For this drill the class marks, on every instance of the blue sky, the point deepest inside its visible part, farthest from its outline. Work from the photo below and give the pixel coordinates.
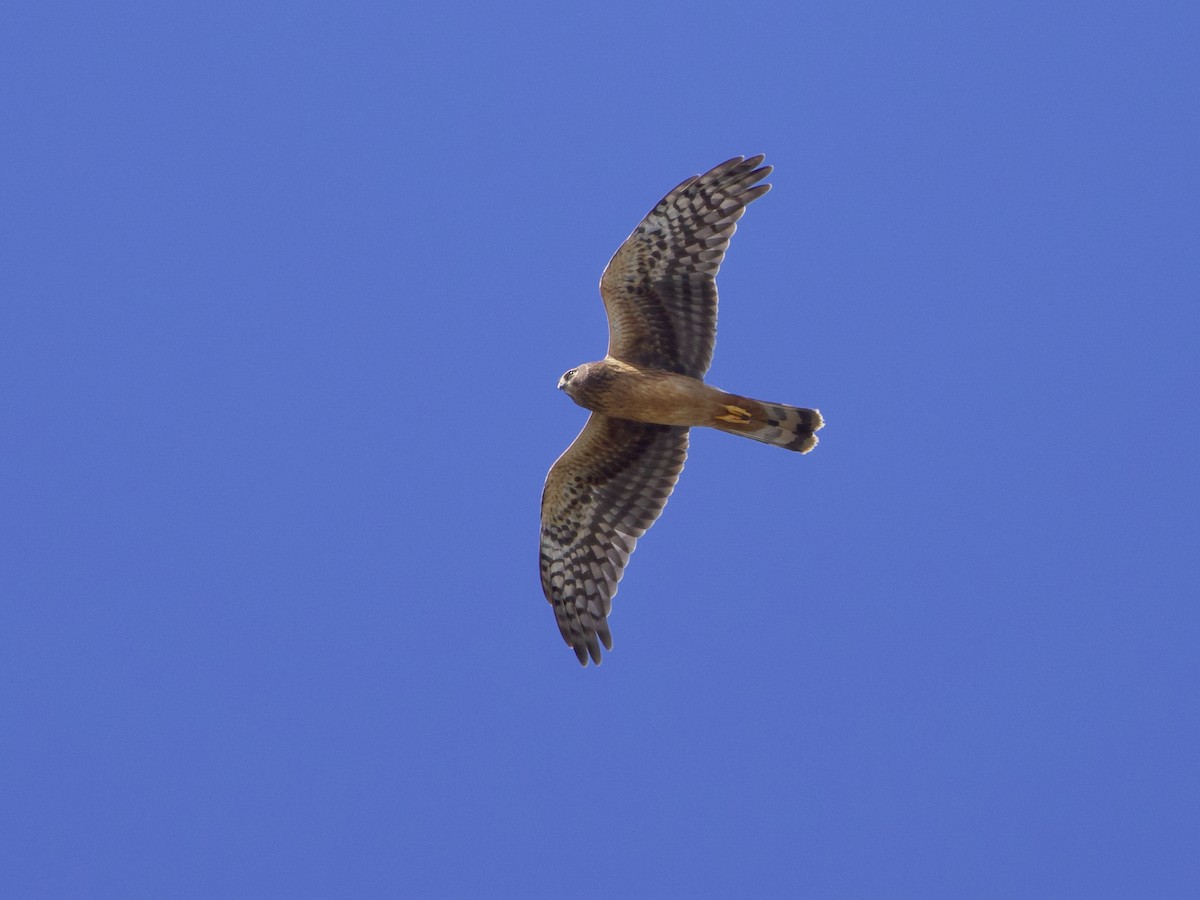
(287, 291)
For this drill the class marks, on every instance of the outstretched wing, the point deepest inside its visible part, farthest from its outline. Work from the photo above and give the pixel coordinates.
(600, 497)
(660, 288)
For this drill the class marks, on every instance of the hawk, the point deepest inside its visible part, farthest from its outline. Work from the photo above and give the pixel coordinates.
(610, 485)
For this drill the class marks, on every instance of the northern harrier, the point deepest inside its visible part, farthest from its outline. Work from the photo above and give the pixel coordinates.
(610, 485)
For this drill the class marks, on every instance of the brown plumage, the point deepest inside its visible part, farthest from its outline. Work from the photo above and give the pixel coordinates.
(610, 485)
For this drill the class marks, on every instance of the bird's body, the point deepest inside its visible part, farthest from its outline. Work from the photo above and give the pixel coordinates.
(645, 394)
(641, 393)
(612, 482)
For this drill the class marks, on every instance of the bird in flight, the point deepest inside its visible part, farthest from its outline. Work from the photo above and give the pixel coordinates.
(610, 485)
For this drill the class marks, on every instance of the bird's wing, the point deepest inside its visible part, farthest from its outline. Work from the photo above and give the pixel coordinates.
(660, 288)
(600, 497)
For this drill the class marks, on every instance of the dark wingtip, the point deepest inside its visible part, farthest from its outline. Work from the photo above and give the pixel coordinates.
(589, 647)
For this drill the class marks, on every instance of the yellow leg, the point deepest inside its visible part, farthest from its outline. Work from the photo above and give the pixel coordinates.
(735, 415)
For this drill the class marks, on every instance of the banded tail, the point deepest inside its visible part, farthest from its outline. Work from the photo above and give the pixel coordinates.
(790, 427)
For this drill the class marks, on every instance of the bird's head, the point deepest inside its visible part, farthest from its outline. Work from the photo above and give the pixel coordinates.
(581, 383)
(571, 379)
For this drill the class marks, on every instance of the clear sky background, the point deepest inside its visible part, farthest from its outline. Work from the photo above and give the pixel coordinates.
(286, 292)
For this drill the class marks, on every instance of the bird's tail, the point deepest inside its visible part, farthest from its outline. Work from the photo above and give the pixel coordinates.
(790, 427)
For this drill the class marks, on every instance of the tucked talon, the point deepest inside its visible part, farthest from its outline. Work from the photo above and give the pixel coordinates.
(736, 415)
